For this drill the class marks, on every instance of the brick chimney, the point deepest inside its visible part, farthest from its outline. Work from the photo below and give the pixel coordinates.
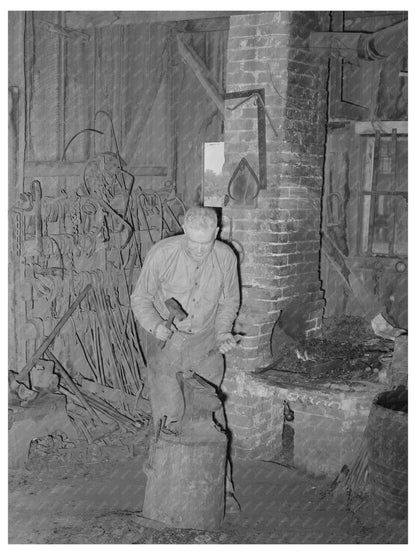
(281, 235)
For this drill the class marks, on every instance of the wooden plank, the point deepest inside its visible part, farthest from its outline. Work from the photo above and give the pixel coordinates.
(65, 32)
(107, 57)
(66, 169)
(202, 73)
(373, 206)
(140, 120)
(83, 20)
(43, 91)
(203, 25)
(392, 218)
(62, 71)
(383, 127)
(78, 110)
(170, 114)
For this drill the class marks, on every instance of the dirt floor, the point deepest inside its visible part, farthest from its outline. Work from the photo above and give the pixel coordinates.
(96, 498)
(79, 493)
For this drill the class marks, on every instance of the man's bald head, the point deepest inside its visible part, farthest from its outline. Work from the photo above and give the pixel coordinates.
(201, 218)
(201, 227)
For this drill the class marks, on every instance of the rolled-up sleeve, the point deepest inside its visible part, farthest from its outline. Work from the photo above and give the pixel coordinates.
(142, 298)
(230, 297)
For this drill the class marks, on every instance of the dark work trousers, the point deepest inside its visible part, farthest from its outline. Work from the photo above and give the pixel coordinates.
(182, 352)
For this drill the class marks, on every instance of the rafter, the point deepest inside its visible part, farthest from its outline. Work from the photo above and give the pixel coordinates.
(83, 20)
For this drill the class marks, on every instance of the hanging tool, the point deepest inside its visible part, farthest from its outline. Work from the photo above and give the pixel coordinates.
(240, 185)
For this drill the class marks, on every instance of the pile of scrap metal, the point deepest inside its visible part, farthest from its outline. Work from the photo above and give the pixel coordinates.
(86, 243)
(114, 399)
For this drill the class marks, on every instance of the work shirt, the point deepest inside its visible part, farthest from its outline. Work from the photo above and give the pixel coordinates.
(207, 290)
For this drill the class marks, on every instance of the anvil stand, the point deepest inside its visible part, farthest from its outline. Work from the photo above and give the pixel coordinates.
(186, 471)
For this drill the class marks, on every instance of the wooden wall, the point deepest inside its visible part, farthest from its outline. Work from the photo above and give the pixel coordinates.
(365, 96)
(83, 104)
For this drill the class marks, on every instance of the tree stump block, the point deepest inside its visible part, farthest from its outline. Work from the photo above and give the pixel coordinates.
(186, 478)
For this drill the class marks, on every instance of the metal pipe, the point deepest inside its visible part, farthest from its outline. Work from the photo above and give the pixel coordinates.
(383, 43)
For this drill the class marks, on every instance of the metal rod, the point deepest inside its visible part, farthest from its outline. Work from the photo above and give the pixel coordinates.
(258, 97)
(39, 352)
(68, 379)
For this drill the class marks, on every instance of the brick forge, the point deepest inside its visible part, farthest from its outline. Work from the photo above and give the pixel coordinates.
(281, 235)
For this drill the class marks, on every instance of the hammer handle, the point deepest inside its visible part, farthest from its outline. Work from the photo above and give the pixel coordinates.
(168, 325)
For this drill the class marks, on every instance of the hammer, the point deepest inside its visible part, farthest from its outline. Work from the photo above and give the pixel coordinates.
(175, 311)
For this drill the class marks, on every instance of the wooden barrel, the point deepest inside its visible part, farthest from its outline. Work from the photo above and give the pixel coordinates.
(387, 450)
(186, 480)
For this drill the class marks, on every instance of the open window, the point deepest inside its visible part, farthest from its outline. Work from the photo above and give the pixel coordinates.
(384, 194)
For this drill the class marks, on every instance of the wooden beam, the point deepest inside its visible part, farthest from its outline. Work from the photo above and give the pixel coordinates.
(384, 127)
(65, 32)
(67, 169)
(83, 20)
(327, 43)
(203, 25)
(202, 73)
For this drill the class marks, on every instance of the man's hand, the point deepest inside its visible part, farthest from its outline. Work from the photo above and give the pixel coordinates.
(226, 342)
(162, 332)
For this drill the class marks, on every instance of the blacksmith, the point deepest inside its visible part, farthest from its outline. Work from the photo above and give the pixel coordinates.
(200, 273)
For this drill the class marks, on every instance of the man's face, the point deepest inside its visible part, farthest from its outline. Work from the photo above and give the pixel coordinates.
(199, 242)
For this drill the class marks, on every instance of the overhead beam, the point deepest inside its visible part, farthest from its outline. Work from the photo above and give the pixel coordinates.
(203, 25)
(384, 127)
(82, 20)
(202, 73)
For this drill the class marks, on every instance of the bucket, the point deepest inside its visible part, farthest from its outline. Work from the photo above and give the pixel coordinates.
(387, 450)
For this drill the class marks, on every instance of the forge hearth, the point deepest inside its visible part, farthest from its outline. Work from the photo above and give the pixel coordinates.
(329, 384)
(338, 364)
(330, 396)
(329, 420)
